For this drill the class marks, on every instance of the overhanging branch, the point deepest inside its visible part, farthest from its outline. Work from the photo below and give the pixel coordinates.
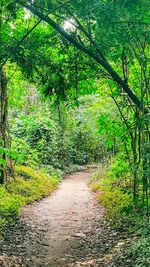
(103, 62)
(25, 36)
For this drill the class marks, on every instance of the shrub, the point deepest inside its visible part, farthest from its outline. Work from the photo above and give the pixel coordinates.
(137, 255)
(30, 185)
(140, 252)
(22, 153)
(9, 206)
(117, 201)
(119, 169)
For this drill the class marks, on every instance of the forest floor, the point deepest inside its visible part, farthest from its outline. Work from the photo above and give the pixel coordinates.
(67, 228)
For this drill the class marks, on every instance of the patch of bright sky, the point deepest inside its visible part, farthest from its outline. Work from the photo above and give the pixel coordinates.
(69, 25)
(27, 13)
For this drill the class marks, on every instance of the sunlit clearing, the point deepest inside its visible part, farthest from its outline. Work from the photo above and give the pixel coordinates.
(69, 25)
(27, 13)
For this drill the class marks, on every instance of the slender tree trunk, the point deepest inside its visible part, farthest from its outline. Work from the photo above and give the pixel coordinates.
(60, 119)
(135, 150)
(146, 169)
(135, 173)
(76, 75)
(133, 138)
(3, 123)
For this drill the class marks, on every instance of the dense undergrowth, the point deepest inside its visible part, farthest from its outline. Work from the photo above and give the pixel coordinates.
(114, 192)
(40, 140)
(28, 186)
(42, 151)
(116, 199)
(137, 255)
(74, 100)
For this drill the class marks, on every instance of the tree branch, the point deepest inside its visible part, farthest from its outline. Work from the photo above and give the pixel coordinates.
(103, 62)
(25, 36)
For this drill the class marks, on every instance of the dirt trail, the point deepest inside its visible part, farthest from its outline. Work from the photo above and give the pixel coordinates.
(65, 229)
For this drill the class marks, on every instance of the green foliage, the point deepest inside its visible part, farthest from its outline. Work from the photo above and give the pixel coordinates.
(113, 31)
(117, 201)
(29, 185)
(22, 153)
(35, 140)
(118, 204)
(2, 151)
(9, 206)
(112, 130)
(140, 252)
(119, 169)
(33, 184)
(39, 139)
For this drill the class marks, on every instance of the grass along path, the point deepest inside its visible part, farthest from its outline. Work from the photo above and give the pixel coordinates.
(65, 229)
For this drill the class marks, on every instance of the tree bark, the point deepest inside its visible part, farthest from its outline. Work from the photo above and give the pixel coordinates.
(3, 123)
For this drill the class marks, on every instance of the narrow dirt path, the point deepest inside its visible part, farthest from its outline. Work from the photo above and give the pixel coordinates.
(65, 229)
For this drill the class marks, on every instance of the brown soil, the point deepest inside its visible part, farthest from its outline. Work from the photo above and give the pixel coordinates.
(65, 229)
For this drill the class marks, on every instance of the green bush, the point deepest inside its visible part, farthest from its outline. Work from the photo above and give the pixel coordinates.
(138, 254)
(39, 137)
(119, 169)
(29, 185)
(9, 205)
(32, 184)
(117, 201)
(50, 170)
(39, 141)
(22, 153)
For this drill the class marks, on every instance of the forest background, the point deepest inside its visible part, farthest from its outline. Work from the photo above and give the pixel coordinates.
(75, 91)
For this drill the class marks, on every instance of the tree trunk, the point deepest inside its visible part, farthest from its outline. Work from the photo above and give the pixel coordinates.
(3, 123)
(135, 173)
